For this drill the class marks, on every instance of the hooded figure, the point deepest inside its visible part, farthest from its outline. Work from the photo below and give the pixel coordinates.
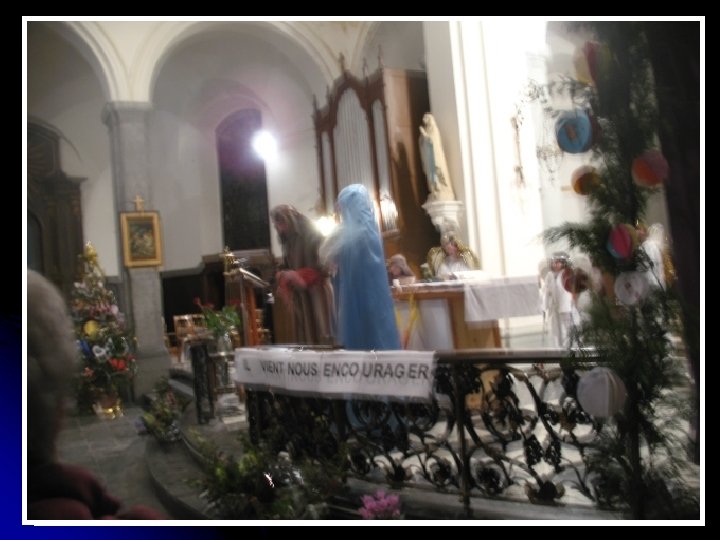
(303, 283)
(366, 315)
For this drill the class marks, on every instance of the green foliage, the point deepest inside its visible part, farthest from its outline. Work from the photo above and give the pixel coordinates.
(262, 484)
(220, 322)
(638, 461)
(162, 418)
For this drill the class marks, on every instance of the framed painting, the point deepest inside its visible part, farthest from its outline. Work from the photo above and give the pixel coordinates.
(142, 242)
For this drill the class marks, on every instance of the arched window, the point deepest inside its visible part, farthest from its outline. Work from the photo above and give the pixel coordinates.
(243, 184)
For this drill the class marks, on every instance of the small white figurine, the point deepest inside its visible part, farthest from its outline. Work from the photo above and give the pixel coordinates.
(557, 301)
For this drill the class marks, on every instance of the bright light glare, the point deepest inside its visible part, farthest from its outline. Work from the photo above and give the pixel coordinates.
(264, 144)
(325, 224)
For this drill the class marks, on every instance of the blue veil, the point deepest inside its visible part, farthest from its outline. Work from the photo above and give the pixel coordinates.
(366, 315)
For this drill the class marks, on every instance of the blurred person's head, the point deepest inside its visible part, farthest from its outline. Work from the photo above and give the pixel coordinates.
(398, 266)
(51, 364)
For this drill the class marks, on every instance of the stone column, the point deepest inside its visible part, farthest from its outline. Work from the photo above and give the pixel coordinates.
(127, 124)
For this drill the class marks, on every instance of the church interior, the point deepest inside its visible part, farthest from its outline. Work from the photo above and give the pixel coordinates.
(158, 152)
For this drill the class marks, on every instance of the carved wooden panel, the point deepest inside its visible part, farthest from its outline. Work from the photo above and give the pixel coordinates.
(54, 211)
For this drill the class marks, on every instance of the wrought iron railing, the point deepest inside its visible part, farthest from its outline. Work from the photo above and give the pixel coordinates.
(502, 424)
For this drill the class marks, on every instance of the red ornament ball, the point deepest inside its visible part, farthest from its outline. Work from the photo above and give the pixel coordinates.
(650, 169)
(622, 241)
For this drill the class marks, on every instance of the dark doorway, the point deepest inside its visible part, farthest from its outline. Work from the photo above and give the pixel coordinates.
(243, 185)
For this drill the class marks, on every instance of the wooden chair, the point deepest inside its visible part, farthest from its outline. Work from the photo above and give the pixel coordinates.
(186, 327)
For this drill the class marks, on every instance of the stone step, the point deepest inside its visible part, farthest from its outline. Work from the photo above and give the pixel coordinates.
(172, 471)
(182, 388)
(173, 467)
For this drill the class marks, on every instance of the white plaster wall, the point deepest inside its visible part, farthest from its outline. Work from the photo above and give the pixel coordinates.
(64, 93)
(508, 63)
(201, 84)
(476, 72)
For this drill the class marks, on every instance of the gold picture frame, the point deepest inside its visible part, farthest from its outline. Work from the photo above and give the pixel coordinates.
(142, 241)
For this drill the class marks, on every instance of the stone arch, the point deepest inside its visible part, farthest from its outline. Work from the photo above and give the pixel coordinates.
(91, 42)
(398, 39)
(360, 56)
(285, 36)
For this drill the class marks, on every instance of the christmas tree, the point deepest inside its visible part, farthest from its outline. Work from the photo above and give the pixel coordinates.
(105, 345)
(631, 319)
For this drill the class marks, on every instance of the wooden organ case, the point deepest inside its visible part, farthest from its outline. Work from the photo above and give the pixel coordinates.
(367, 133)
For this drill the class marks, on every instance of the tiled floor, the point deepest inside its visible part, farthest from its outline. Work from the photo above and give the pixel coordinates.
(113, 451)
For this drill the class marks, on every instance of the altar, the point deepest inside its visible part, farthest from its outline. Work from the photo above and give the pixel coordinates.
(462, 314)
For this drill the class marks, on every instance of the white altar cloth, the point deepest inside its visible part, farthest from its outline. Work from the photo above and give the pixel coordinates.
(501, 298)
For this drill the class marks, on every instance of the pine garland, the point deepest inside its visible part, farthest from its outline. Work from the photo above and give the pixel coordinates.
(637, 461)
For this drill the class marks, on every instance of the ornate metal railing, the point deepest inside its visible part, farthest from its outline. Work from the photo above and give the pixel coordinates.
(502, 424)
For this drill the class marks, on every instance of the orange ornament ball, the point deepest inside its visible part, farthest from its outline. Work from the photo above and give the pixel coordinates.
(585, 179)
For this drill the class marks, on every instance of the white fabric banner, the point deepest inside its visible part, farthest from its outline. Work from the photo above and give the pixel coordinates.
(395, 374)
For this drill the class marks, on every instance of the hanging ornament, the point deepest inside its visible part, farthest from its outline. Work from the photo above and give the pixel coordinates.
(601, 392)
(631, 287)
(101, 353)
(573, 131)
(91, 328)
(622, 241)
(585, 179)
(84, 348)
(650, 169)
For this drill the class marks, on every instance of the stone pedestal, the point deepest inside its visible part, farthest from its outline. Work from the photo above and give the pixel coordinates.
(445, 215)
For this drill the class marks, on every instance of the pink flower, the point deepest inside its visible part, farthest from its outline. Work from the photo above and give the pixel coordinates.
(380, 506)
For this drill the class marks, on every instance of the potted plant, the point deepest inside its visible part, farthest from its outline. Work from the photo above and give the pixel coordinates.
(223, 324)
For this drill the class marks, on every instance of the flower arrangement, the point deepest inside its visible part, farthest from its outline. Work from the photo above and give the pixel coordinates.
(263, 484)
(105, 346)
(223, 321)
(162, 419)
(380, 506)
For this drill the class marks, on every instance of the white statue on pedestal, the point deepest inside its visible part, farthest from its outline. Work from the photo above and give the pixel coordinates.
(433, 161)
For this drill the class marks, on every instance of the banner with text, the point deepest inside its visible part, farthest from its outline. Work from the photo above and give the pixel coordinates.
(394, 374)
